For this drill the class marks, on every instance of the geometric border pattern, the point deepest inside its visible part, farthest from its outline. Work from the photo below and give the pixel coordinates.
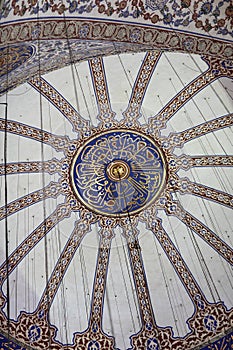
(148, 36)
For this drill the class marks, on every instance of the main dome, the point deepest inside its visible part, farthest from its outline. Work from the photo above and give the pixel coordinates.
(129, 245)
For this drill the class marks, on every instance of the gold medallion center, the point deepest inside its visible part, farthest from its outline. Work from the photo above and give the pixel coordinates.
(118, 170)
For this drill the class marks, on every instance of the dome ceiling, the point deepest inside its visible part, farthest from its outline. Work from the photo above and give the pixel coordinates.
(116, 175)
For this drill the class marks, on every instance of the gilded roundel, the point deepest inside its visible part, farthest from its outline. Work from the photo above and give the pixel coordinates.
(118, 172)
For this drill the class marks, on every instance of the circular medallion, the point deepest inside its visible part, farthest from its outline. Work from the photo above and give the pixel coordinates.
(118, 172)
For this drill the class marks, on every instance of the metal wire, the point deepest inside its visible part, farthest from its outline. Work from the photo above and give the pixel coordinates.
(43, 179)
(6, 214)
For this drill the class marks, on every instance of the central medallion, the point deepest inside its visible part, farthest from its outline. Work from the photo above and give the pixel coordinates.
(118, 172)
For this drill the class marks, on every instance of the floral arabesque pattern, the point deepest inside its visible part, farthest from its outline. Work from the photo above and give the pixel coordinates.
(209, 16)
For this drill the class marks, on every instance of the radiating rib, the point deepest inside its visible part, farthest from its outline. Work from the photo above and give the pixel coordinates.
(202, 230)
(62, 211)
(178, 139)
(52, 166)
(105, 115)
(60, 143)
(139, 277)
(130, 232)
(186, 186)
(99, 286)
(79, 124)
(53, 190)
(81, 228)
(182, 270)
(216, 69)
(187, 162)
(160, 120)
(133, 111)
(106, 236)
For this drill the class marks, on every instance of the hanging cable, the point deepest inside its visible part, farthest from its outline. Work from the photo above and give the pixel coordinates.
(59, 249)
(28, 258)
(34, 270)
(73, 71)
(92, 99)
(203, 265)
(213, 112)
(169, 219)
(5, 159)
(85, 282)
(110, 311)
(77, 297)
(125, 256)
(136, 241)
(17, 236)
(6, 211)
(43, 179)
(130, 83)
(124, 280)
(163, 270)
(63, 298)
